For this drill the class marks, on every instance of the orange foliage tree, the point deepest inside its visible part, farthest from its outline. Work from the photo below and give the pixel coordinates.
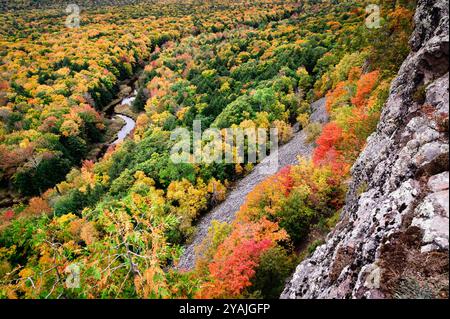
(364, 87)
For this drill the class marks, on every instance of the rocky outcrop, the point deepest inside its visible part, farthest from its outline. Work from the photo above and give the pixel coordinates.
(392, 240)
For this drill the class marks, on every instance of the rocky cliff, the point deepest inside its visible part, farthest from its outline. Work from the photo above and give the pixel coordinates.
(392, 240)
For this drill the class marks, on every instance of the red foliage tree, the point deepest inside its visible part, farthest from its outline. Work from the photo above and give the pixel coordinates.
(327, 151)
(235, 262)
(232, 275)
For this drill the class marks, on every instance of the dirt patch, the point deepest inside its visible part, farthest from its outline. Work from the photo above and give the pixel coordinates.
(114, 126)
(402, 262)
(344, 257)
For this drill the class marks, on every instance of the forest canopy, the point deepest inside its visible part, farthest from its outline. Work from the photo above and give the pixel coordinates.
(124, 217)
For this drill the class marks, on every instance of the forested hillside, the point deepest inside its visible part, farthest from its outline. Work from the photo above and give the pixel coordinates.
(123, 219)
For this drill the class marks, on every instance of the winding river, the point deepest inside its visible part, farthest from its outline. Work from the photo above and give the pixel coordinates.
(130, 124)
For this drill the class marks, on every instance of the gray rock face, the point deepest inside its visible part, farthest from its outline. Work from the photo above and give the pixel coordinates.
(397, 230)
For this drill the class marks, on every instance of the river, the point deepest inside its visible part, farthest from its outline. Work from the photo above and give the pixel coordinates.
(130, 124)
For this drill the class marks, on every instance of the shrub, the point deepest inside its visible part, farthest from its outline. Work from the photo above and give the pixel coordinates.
(121, 184)
(275, 266)
(74, 201)
(296, 217)
(217, 233)
(303, 120)
(313, 131)
(411, 289)
(284, 131)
